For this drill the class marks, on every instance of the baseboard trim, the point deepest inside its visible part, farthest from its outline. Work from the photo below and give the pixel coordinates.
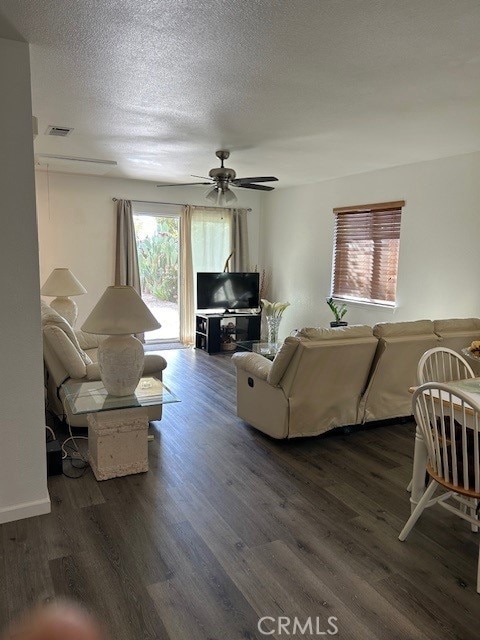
(24, 510)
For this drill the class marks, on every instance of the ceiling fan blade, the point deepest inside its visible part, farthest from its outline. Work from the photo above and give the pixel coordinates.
(239, 181)
(202, 177)
(260, 187)
(182, 184)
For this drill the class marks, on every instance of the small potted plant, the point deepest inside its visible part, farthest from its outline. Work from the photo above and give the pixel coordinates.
(227, 338)
(338, 311)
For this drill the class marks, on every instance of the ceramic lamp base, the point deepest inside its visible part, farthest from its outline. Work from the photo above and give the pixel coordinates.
(66, 307)
(121, 361)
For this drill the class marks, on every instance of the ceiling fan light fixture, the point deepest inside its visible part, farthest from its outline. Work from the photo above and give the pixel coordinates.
(229, 196)
(212, 195)
(221, 178)
(221, 196)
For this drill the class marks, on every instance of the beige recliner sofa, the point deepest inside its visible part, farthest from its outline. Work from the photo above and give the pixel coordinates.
(70, 354)
(314, 384)
(326, 378)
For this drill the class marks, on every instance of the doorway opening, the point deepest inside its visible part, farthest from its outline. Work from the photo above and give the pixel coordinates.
(158, 238)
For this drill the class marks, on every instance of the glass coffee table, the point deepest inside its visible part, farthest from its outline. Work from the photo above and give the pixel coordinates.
(267, 349)
(117, 426)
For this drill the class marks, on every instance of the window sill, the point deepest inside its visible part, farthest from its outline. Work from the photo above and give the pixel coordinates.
(364, 303)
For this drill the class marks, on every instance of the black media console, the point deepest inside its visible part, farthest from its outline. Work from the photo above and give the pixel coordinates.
(220, 331)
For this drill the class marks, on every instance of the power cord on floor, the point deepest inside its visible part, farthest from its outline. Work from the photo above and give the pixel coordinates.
(73, 455)
(70, 454)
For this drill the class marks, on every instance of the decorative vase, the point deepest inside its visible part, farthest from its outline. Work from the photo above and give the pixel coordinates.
(273, 324)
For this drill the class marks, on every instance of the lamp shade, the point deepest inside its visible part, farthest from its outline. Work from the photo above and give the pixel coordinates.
(62, 282)
(120, 311)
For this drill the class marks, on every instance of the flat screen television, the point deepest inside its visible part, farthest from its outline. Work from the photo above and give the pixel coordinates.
(228, 290)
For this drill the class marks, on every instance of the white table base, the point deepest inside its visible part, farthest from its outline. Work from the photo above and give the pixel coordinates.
(118, 442)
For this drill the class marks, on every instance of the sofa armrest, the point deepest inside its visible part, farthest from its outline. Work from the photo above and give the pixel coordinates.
(253, 363)
(153, 366)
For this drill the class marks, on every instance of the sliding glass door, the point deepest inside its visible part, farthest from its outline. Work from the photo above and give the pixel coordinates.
(158, 257)
(162, 249)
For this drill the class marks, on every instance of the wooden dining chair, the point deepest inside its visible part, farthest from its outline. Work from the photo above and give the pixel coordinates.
(441, 364)
(449, 421)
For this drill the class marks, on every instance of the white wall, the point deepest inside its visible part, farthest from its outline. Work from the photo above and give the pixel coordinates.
(23, 484)
(439, 246)
(76, 220)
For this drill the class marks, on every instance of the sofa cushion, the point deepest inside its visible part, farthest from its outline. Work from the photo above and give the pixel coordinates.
(282, 360)
(456, 324)
(399, 329)
(51, 318)
(336, 333)
(88, 340)
(65, 351)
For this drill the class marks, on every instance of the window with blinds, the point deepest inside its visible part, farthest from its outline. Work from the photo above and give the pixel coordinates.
(365, 258)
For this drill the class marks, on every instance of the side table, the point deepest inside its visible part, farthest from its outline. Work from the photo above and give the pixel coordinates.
(266, 349)
(117, 426)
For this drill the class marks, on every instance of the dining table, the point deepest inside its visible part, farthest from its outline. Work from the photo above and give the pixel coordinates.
(471, 388)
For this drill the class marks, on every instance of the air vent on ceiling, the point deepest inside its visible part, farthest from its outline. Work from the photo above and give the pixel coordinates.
(54, 130)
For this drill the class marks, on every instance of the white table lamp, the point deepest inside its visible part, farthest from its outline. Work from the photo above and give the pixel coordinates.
(62, 284)
(119, 313)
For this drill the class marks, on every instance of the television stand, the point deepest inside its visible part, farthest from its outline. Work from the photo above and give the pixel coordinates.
(241, 312)
(219, 332)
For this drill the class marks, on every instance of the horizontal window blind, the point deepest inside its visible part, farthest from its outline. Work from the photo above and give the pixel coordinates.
(367, 241)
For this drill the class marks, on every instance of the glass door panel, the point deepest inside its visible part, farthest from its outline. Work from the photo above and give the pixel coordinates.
(158, 257)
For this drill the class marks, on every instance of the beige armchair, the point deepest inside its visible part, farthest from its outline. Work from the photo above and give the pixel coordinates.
(314, 384)
(70, 354)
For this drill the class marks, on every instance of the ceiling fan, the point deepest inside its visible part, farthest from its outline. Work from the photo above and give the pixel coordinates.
(222, 178)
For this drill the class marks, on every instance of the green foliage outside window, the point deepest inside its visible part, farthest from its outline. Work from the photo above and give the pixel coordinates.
(158, 260)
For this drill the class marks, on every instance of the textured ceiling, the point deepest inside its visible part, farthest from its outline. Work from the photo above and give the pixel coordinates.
(302, 89)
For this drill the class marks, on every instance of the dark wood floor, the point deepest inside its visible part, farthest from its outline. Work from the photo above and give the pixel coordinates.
(229, 526)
